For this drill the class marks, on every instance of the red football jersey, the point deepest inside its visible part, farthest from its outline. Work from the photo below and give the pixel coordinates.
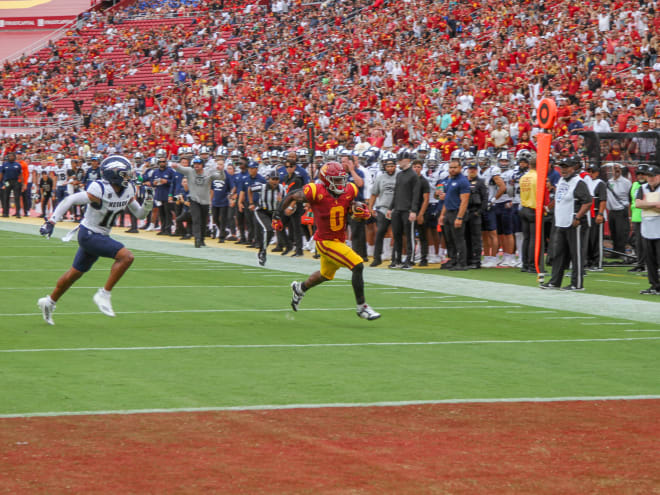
(330, 211)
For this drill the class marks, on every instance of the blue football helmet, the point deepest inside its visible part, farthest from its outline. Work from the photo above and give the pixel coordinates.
(117, 170)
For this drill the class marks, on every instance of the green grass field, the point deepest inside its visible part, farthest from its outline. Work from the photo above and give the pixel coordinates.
(198, 333)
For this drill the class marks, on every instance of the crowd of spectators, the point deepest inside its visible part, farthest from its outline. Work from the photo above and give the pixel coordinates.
(392, 73)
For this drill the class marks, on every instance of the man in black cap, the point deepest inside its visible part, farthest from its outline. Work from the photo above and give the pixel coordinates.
(477, 204)
(636, 220)
(648, 200)
(270, 196)
(572, 203)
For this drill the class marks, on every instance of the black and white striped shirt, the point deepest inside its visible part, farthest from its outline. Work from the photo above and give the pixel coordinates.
(269, 198)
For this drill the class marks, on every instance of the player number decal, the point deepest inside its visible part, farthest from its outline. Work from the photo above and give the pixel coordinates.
(109, 219)
(337, 218)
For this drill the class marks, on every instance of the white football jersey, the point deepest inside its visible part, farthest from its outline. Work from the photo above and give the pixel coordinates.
(488, 176)
(101, 218)
(61, 175)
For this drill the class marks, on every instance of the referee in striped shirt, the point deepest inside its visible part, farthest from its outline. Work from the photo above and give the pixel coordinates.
(270, 196)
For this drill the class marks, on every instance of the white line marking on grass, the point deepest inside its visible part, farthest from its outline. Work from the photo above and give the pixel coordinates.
(605, 323)
(406, 292)
(615, 281)
(570, 317)
(431, 297)
(279, 407)
(349, 344)
(253, 310)
(636, 330)
(530, 312)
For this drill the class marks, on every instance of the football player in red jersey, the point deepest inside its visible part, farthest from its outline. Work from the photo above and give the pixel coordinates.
(331, 202)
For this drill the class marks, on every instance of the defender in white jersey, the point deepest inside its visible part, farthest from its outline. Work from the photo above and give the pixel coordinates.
(106, 198)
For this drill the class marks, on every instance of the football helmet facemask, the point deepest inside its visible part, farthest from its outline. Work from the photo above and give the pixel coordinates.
(333, 177)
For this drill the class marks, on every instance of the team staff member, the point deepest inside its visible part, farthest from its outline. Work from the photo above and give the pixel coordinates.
(403, 210)
(248, 198)
(476, 206)
(382, 193)
(293, 182)
(528, 219)
(648, 200)
(618, 204)
(457, 197)
(636, 219)
(220, 205)
(11, 179)
(269, 198)
(572, 203)
(358, 228)
(162, 178)
(422, 206)
(199, 186)
(598, 190)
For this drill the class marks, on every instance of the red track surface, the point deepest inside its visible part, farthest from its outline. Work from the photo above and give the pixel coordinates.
(608, 447)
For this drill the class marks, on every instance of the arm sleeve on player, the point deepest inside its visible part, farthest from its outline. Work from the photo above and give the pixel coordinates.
(79, 198)
(141, 211)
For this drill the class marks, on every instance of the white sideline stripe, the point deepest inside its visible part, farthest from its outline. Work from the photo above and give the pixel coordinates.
(636, 330)
(350, 344)
(252, 310)
(635, 310)
(279, 407)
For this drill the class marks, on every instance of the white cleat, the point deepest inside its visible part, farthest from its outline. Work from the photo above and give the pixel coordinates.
(298, 294)
(366, 312)
(47, 309)
(103, 302)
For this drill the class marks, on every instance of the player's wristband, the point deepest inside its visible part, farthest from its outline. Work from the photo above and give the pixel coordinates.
(459, 218)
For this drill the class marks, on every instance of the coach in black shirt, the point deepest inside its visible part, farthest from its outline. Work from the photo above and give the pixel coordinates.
(403, 210)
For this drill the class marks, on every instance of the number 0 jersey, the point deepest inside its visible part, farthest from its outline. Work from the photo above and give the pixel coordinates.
(330, 212)
(100, 218)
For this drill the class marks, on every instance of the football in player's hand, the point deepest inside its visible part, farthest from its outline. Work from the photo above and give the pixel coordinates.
(360, 211)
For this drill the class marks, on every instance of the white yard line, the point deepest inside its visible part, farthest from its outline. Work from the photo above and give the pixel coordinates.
(329, 345)
(277, 407)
